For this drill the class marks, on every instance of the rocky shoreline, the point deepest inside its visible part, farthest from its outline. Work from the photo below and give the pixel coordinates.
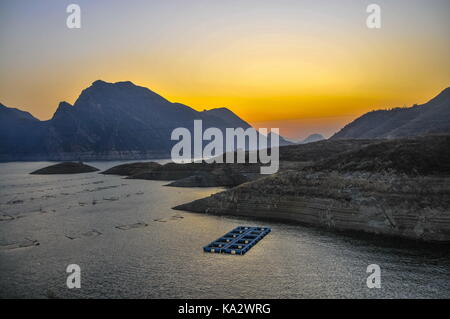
(394, 205)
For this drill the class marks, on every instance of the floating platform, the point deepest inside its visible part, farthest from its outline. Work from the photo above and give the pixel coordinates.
(238, 241)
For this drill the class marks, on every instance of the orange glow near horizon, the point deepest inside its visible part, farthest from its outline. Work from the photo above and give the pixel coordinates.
(299, 66)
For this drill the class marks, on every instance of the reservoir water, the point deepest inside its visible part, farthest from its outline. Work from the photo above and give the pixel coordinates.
(129, 243)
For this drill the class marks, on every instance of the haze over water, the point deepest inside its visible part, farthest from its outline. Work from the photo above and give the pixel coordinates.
(75, 217)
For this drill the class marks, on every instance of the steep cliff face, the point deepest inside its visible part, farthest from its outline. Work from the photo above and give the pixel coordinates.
(409, 207)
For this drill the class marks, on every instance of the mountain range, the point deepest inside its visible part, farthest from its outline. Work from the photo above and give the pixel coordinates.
(114, 121)
(108, 121)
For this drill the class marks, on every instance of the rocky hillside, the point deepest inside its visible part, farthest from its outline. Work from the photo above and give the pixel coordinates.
(429, 155)
(320, 150)
(430, 118)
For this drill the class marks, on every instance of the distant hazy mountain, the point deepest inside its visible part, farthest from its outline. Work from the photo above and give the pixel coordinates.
(281, 140)
(430, 118)
(108, 121)
(312, 138)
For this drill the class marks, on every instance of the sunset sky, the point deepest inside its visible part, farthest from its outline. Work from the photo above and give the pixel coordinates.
(303, 66)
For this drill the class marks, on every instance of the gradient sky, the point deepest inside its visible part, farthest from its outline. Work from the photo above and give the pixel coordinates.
(304, 66)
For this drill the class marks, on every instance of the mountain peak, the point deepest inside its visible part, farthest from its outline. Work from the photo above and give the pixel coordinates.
(218, 109)
(125, 93)
(120, 83)
(64, 104)
(121, 86)
(228, 116)
(99, 82)
(62, 108)
(125, 83)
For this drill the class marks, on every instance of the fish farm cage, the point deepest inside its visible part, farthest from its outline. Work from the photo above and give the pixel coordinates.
(238, 241)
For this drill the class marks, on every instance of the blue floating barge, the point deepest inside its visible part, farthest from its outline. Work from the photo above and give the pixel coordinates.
(238, 241)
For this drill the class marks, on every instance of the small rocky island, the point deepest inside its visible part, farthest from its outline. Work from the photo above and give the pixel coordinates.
(132, 169)
(65, 168)
(218, 177)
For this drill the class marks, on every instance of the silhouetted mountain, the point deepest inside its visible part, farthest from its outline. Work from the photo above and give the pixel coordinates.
(231, 119)
(313, 138)
(19, 131)
(107, 121)
(430, 118)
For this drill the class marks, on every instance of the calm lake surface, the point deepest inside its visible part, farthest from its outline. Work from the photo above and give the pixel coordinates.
(74, 218)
